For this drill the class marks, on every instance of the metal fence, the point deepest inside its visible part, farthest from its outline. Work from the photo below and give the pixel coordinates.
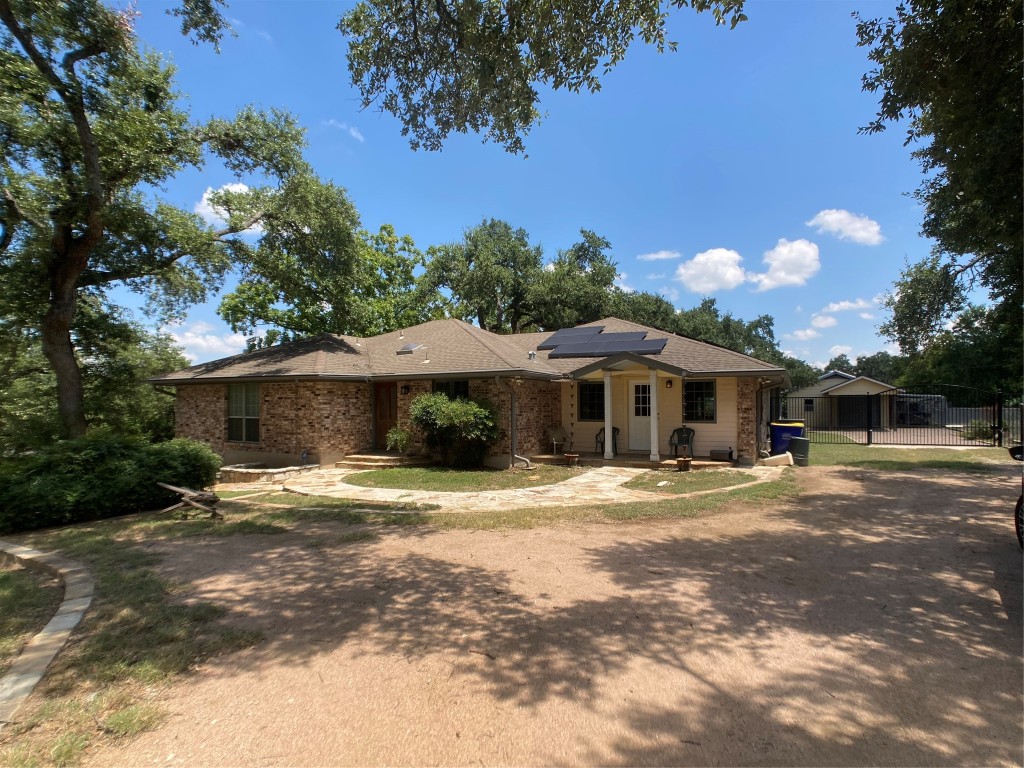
(942, 415)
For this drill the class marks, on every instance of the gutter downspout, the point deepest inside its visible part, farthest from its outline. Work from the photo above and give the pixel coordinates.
(513, 427)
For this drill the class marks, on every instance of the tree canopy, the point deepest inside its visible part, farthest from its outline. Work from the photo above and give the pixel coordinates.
(90, 128)
(496, 278)
(951, 73)
(471, 65)
(118, 356)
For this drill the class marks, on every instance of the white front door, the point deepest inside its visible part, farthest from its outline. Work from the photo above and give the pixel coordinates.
(640, 416)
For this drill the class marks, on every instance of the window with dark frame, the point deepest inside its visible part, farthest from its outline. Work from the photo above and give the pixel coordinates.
(244, 413)
(455, 389)
(809, 405)
(699, 401)
(591, 398)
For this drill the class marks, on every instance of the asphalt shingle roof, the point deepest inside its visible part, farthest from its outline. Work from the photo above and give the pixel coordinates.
(448, 348)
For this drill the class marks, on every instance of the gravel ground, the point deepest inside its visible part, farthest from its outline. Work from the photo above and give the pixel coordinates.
(875, 620)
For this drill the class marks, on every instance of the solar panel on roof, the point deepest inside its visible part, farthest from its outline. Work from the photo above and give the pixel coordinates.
(564, 335)
(408, 349)
(604, 348)
(625, 336)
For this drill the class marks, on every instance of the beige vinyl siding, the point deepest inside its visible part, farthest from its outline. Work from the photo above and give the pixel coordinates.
(722, 433)
(861, 387)
(670, 412)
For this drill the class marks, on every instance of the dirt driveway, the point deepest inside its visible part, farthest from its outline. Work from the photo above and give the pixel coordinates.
(875, 620)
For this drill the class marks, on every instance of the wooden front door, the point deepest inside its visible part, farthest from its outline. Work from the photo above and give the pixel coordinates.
(385, 412)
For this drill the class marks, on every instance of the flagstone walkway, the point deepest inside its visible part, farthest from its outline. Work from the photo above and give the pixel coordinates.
(598, 486)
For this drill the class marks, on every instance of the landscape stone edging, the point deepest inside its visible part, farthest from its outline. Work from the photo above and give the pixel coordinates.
(35, 657)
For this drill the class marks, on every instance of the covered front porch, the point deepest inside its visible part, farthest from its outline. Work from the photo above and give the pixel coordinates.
(624, 408)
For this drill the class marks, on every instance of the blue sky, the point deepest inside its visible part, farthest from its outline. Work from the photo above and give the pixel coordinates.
(731, 168)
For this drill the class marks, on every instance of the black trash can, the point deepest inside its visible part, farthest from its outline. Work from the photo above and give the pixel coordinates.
(800, 447)
(782, 431)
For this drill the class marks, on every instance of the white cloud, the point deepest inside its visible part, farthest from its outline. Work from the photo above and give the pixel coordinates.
(820, 364)
(200, 342)
(790, 262)
(713, 270)
(848, 226)
(839, 349)
(659, 256)
(213, 214)
(655, 276)
(620, 281)
(238, 24)
(843, 306)
(351, 130)
(803, 335)
(865, 315)
(669, 293)
(823, 321)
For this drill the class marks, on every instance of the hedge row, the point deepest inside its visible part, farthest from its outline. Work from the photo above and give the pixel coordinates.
(98, 476)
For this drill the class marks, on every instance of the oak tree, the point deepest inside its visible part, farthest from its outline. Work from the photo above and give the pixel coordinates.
(950, 72)
(91, 128)
(480, 65)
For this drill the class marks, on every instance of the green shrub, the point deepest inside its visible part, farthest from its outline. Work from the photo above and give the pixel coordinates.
(459, 430)
(98, 476)
(978, 430)
(398, 439)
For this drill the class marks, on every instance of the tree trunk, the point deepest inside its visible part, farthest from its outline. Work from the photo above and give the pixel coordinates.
(60, 352)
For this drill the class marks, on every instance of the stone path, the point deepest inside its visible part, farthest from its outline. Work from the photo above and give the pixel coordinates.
(30, 665)
(597, 486)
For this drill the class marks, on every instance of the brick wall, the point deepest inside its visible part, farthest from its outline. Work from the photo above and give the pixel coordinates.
(746, 420)
(417, 446)
(328, 419)
(336, 417)
(538, 407)
(498, 396)
(200, 412)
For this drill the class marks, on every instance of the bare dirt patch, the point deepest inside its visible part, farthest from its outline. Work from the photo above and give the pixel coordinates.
(874, 620)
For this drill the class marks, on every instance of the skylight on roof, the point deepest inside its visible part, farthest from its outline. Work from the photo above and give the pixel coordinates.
(408, 349)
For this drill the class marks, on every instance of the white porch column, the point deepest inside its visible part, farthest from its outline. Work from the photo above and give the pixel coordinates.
(609, 436)
(655, 456)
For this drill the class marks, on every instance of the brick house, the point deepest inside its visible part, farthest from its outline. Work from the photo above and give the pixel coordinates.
(330, 396)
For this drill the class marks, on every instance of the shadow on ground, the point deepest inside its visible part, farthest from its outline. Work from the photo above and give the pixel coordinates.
(903, 592)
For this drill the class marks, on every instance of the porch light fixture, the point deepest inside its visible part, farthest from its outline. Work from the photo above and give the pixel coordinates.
(668, 383)
(404, 389)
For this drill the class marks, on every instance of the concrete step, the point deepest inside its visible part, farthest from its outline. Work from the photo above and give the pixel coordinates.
(380, 461)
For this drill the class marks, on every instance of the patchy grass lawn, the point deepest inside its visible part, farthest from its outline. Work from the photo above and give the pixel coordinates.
(671, 507)
(28, 600)
(445, 479)
(686, 482)
(139, 634)
(909, 459)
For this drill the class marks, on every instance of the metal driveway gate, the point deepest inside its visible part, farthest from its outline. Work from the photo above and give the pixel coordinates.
(942, 414)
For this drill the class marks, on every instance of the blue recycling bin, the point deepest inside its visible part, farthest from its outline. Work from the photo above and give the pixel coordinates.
(782, 431)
